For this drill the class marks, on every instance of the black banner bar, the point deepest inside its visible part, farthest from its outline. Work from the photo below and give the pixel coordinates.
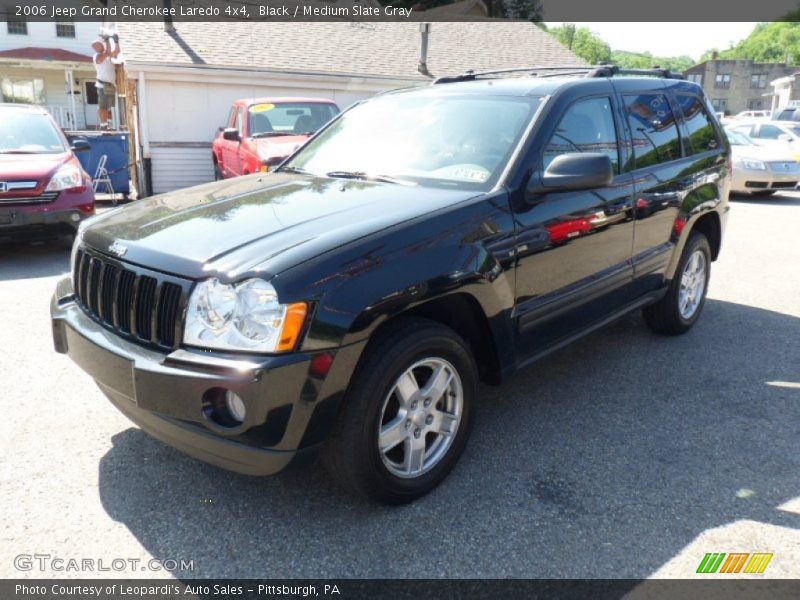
(396, 589)
(397, 10)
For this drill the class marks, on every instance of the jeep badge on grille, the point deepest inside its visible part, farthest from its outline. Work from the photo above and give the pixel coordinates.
(118, 249)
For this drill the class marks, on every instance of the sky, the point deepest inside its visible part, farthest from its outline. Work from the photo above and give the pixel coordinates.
(694, 38)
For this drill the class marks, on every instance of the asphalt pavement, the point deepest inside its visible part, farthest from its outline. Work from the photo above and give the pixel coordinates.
(624, 455)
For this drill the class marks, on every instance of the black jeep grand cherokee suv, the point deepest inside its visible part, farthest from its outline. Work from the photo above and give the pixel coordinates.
(426, 238)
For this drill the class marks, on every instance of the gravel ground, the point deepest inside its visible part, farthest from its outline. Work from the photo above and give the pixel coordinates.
(624, 455)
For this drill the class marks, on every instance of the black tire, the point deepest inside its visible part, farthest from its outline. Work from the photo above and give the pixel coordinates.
(217, 172)
(352, 454)
(763, 193)
(665, 315)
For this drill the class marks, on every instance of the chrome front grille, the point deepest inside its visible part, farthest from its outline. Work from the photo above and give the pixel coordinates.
(41, 199)
(140, 304)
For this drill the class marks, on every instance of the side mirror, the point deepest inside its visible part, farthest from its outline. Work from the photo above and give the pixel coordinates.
(574, 171)
(785, 137)
(231, 134)
(80, 145)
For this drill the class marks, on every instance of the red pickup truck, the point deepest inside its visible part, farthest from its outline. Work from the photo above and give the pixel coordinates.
(262, 132)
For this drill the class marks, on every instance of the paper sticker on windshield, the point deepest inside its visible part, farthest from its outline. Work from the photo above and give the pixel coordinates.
(471, 174)
(258, 108)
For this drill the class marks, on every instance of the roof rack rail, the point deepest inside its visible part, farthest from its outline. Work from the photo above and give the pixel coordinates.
(472, 75)
(554, 70)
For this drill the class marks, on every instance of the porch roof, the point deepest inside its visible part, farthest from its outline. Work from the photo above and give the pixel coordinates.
(44, 54)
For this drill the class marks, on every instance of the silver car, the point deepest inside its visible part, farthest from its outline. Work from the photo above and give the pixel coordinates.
(761, 170)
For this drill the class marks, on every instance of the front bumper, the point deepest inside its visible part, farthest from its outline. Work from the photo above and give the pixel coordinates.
(23, 222)
(746, 180)
(289, 405)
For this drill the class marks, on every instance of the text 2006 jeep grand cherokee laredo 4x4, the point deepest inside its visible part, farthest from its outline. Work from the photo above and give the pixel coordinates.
(348, 302)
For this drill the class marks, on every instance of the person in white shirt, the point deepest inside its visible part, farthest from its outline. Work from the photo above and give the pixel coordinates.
(103, 59)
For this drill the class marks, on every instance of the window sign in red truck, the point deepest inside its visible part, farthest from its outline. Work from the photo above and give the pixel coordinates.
(261, 132)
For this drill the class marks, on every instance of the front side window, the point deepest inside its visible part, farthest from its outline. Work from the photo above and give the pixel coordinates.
(239, 120)
(22, 132)
(425, 138)
(769, 132)
(587, 126)
(291, 118)
(653, 130)
(702, 135)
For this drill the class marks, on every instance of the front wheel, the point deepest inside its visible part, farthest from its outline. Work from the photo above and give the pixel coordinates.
(680, 308)
(407, 415)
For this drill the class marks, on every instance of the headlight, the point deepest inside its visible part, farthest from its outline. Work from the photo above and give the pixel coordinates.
(66, 178)
(754, 165)
(245, 316)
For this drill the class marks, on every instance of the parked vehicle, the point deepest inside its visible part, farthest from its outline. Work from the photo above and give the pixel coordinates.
(761, 170)
(787, 113)
(349, 302)
(752, 115)
(262, 132)
(783, 135)
(44, 192)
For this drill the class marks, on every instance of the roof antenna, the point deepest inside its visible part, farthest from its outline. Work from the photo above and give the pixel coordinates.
(422, 67)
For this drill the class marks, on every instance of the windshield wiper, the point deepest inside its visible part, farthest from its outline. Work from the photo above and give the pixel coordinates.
(298, 170)
(368, 177)
(270, 134)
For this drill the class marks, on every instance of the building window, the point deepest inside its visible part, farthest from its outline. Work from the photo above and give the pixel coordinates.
(755, 104)
(22, 90)
(696, 78)
(17, 26)
(758, 81)
(720, 104)
(65, 29)
(722, 81)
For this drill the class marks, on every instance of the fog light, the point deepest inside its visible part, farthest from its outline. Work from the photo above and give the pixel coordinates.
(223, 407)
(235, 406)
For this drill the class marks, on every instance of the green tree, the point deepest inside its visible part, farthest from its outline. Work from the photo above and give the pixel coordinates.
(769, 42)
(645, 60)
(589, 46)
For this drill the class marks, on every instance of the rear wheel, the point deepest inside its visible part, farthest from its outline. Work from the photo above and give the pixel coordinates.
(407, 415)
(676, 312)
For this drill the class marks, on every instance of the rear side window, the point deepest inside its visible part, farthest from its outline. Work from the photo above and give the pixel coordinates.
(587, 126)
(702, 135)
(653, 129)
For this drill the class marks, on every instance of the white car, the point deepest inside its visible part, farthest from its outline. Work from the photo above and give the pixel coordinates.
(752, 114)
(761, 170)
(778, 134)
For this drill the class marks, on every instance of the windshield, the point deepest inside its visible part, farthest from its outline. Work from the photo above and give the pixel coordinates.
(22, 132)
(290, 118)
(443, 140)
(737, 138)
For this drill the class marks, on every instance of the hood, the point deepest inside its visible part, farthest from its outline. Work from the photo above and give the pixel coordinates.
(30, 167)
(281, 146)
(262, 223)
(764, 153)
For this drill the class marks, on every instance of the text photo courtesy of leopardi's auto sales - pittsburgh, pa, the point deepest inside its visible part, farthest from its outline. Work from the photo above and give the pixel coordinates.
(398, 299)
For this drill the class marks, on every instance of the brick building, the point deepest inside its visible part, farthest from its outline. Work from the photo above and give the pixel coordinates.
(737, 85)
